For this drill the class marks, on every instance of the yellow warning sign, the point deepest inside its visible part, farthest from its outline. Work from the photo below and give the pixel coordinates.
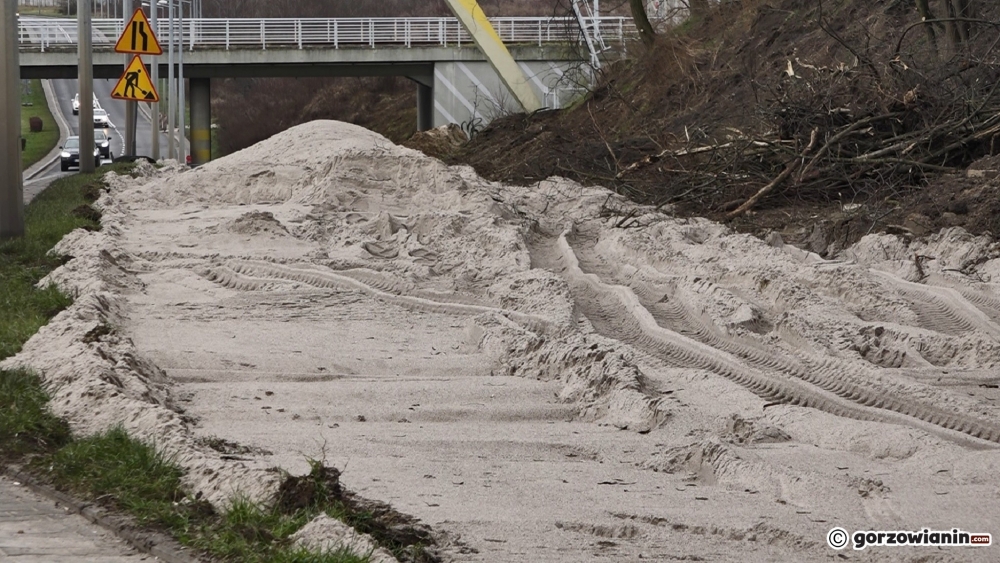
(135, 84)
(138, 37)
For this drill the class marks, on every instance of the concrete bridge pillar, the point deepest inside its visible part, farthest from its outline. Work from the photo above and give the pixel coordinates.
(201, 120)
(425, 107)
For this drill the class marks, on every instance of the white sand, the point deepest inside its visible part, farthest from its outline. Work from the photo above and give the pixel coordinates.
(533, 383)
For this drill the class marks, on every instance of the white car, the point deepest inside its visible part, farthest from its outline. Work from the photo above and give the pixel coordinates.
(76, 104)
(101, 118)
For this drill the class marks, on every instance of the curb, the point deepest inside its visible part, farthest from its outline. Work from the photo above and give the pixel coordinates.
(50, 159)
(157, 544)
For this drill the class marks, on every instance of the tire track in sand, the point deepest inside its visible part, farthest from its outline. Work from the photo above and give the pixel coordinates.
(252, 275)
(837, 376)
(617, 312)
(942, 309)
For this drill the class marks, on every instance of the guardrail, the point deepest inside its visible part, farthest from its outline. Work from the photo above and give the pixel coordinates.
(39, 34)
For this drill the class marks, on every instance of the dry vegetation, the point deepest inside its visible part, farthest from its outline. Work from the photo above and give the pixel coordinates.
(772, 105)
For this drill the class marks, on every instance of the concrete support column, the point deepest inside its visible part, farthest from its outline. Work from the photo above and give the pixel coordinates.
(425, 107)
(11, 188)
(201, 120)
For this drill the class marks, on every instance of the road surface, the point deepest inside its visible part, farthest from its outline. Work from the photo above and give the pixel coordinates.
(65, 90)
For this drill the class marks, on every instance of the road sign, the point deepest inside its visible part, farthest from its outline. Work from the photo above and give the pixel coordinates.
(135, 84)
(138, 37)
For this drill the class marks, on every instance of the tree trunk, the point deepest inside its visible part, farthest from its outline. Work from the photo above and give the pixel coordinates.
(646, 32)
(952, 28)
(957, 32)
(925, 13)
(963, 9)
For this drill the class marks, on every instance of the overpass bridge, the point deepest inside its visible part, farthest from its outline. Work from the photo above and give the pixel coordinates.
(455, 83)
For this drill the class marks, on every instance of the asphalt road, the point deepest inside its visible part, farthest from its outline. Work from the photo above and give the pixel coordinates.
(65, 90)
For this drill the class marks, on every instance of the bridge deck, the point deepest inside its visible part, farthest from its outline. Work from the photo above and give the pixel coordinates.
(414, 61)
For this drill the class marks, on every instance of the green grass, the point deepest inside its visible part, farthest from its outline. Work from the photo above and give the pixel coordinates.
(112, 464)
(137, 478)
(24, 261)
(51, 11)
(39, 144)
(26, 425)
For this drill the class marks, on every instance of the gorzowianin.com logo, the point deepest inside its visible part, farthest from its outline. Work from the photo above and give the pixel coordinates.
(838, 538)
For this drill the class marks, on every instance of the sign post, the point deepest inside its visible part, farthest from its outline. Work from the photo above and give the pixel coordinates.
(135, 85)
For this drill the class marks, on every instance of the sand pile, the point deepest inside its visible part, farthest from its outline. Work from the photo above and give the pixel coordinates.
(539, 373)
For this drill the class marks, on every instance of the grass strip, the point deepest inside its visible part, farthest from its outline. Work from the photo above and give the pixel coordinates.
(26, 425)
(135, 477)
(38, 144)
(24, 261)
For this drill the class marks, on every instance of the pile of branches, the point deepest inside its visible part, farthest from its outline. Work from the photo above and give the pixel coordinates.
(875, 128)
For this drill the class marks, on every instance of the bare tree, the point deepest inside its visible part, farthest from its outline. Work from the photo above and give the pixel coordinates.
(957, 14)
(646, 32)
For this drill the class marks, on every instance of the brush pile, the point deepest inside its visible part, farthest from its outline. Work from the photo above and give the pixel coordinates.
(873, 128)
(771, 104)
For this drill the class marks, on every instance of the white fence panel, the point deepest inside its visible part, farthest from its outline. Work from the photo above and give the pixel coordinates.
(36, 34)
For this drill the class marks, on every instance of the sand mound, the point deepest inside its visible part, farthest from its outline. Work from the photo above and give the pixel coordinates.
(457, 343)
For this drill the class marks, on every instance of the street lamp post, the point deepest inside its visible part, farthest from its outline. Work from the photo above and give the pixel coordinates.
(174, 91)
(11, 188)
(170, 81)
(85, 75)
(155, 76)
(131, 107)
(182, 152)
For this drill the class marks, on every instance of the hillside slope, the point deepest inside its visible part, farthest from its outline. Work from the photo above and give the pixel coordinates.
(872, 126)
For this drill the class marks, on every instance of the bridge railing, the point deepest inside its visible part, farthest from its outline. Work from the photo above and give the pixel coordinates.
(36, 34)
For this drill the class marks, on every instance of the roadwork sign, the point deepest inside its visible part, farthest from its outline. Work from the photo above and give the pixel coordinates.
(138, 37)
(135, 84)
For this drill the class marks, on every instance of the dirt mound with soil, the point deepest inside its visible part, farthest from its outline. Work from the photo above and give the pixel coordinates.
(862, 121)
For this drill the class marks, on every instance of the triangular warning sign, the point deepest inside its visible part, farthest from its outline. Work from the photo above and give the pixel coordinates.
(135, 84)
(138, 37)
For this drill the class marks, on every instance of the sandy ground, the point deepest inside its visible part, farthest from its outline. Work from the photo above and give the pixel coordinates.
(543, 374)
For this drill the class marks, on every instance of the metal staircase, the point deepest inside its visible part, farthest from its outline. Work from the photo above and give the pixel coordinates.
(590, 26)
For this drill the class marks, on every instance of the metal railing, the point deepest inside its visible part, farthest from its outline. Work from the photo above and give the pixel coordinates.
(40, 34)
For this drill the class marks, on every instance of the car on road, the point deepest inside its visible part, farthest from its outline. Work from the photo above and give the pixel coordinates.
(70, 155)
(101, 118)
(76, 104)
(103, 143)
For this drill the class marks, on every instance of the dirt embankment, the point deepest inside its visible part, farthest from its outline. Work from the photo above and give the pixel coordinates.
(872, 125)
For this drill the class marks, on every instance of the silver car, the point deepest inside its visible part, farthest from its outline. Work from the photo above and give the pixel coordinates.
(101, 118)
(76, 104)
